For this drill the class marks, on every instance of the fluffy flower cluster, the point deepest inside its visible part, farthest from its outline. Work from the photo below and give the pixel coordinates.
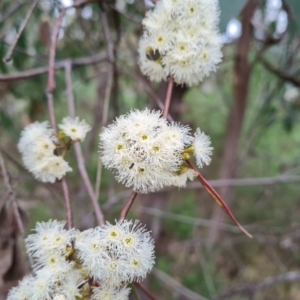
(147, 153)
(181, 39)
(38, 144)
(64, 260)
(75, 129)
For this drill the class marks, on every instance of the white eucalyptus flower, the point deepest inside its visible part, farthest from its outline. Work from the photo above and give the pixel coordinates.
(110, 293)
(181, 40)
(202, 148)
(144, 149)
(74, 128)
(38, 153)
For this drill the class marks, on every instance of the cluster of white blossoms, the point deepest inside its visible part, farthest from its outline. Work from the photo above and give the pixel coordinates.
(40, 149)
(181, 40)
(148, 153)
(94, 264)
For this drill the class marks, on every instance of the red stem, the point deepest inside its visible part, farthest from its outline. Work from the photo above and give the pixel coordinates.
(51, 80)
(50, 89)
(87, 184)
(145, 290)
(218, 199)
(67, 202)
(168, 98)
(127, 207)
(78, 150)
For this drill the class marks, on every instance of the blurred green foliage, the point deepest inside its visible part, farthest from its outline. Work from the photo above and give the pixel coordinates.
(269, 147)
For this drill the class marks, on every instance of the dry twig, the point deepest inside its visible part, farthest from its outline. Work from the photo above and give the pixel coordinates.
(49, 92)
(145, 290)
(108, 90)
(176, 286)
(168, 97)
(12, 196)
(127, 206)
(78, 151)
(8, 56)
(77, 62)
(267, 283)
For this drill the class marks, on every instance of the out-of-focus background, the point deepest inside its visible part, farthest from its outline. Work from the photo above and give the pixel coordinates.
(250, 107)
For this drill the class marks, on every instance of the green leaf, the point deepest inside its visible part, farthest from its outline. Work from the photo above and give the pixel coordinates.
(230, 9)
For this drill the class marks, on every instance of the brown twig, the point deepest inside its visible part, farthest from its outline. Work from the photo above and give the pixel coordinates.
(77, 62)
(12, 9)
(145, 290)
(158, 213)
(176, 286)
(168, 98)
(135, 292)
(80, 4)
(254, 288)
(51, 79)
(108, 90)
(67, 202)
(87, 183)
(127, 207)
(148, 88)
(49, 92)
(51, 112)
(12, 196)
(243, 182)
(78, 151)
(8, 56)
(20, 50)
(280, 73)
(236, 118)
(69, 84)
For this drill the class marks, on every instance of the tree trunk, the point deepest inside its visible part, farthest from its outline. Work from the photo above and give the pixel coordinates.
(242, 72)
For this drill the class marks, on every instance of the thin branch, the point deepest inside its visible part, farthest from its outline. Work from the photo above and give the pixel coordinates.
(87, 183)
(248, 181)
(82, 3)
(77, 62)
(20, 50)
(148, 88)
(280, 73)
(127, 207)
(206, 272)
(176, 286)
(49, 92)
(145, 290)
(51, 79)
(131, 18)
(244, 182)
(69, 92)
(12, 196)
(12, 9)
(51, 112)
(168, 98)
(188, 219)
(78, 150)
(67, 202)
(8, 56)
(135, 292)
(267, 283)
(108, 90)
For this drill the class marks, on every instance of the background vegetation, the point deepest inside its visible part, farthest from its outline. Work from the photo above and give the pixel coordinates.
(250, 108)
